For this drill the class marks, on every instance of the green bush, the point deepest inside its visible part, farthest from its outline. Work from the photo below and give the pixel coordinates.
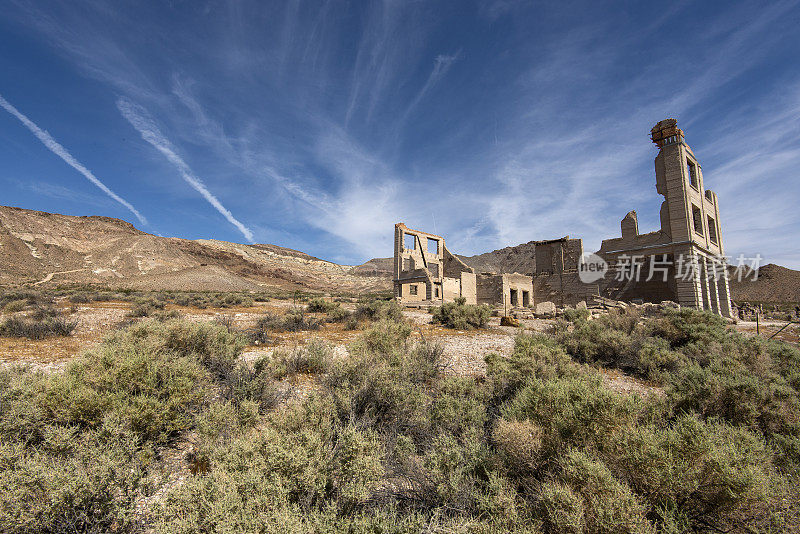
(15, 305)
(145, 308)
(388, 440)
(379, 310)
(462, 316)
(76, 447)
(312, 358)
(320, 305)
(707, 475)
(576, 411)
(340, 315)
(36, 328)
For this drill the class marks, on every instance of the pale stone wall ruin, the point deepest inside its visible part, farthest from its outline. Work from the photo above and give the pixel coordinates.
(690, 231)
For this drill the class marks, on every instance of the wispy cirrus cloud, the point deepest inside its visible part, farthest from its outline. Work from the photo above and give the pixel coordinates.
(56, 148)
(140, 120)
(495, 124)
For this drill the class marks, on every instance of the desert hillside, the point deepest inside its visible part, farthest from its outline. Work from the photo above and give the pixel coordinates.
(47, 249)
(774, 284)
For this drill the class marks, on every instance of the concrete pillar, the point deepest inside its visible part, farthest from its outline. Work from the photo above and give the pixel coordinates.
(705, 284)
(724, 292)
(714, 286)
(689, 290)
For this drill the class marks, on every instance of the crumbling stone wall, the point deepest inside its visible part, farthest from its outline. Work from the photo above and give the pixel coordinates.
(690, 236)
(690, 233)
(425, 271)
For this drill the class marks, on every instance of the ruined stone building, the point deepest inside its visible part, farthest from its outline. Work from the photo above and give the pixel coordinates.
(682, 261)
(689, 244)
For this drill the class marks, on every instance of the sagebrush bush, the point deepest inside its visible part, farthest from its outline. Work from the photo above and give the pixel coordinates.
(388, 440)
(320, 305)
(379, 310)
(76, 446)
(462, 316)
(312, 358)
(32, 328)
(145, 308)
(13, 306)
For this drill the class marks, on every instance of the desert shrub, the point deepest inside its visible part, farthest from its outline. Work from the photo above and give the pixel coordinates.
(282, 477)
(320, 305)
(560, 508)
(707, 475)
(340, 315)
(15, 305)
(575, 315)
(687, 326)
(36, 329)
(378, 310)
(29, 297)
(577, 411)
(76, 446)
(229, 300)
(225, 320)
(609, 505)
(519, 444)
(462, 316)
(385, 337)
(312, 358)
(166, 315)
(145, 308)
(71, 482)
(351, 323)
(533, 356)
(295, 320)
(80, 298)
(254, 384)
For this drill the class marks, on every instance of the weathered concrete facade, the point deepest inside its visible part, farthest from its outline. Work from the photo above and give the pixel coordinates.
(425, 271)
(686, 254)
(683, 261)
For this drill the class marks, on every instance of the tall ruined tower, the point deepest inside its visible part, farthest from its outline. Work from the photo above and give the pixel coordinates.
(690, 236)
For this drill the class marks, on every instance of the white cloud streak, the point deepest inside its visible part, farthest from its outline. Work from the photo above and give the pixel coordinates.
(140, 120)
(56, 148)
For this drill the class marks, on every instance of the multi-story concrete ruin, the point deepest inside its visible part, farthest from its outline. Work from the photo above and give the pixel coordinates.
(687, 251)
(682, 262)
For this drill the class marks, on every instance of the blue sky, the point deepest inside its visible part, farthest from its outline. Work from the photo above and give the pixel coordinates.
(318, 125)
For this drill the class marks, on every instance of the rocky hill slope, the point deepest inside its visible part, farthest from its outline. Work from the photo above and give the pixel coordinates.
(46, 249)
(774, 284)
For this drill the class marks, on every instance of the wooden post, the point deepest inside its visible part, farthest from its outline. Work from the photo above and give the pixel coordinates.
(758, 329)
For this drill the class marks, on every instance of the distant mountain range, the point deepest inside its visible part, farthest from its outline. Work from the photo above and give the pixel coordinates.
(47, 249)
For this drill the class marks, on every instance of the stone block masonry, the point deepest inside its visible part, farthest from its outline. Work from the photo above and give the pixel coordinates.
(687, 251)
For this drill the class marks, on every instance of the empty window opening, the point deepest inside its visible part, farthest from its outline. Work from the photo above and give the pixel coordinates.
(436, 291)
(526, 298)
(433, 246)
(691, 172)
(412, 290)
(712, 230)
(697, 220)
(410, 242)
(514, 297)
(434, 269)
